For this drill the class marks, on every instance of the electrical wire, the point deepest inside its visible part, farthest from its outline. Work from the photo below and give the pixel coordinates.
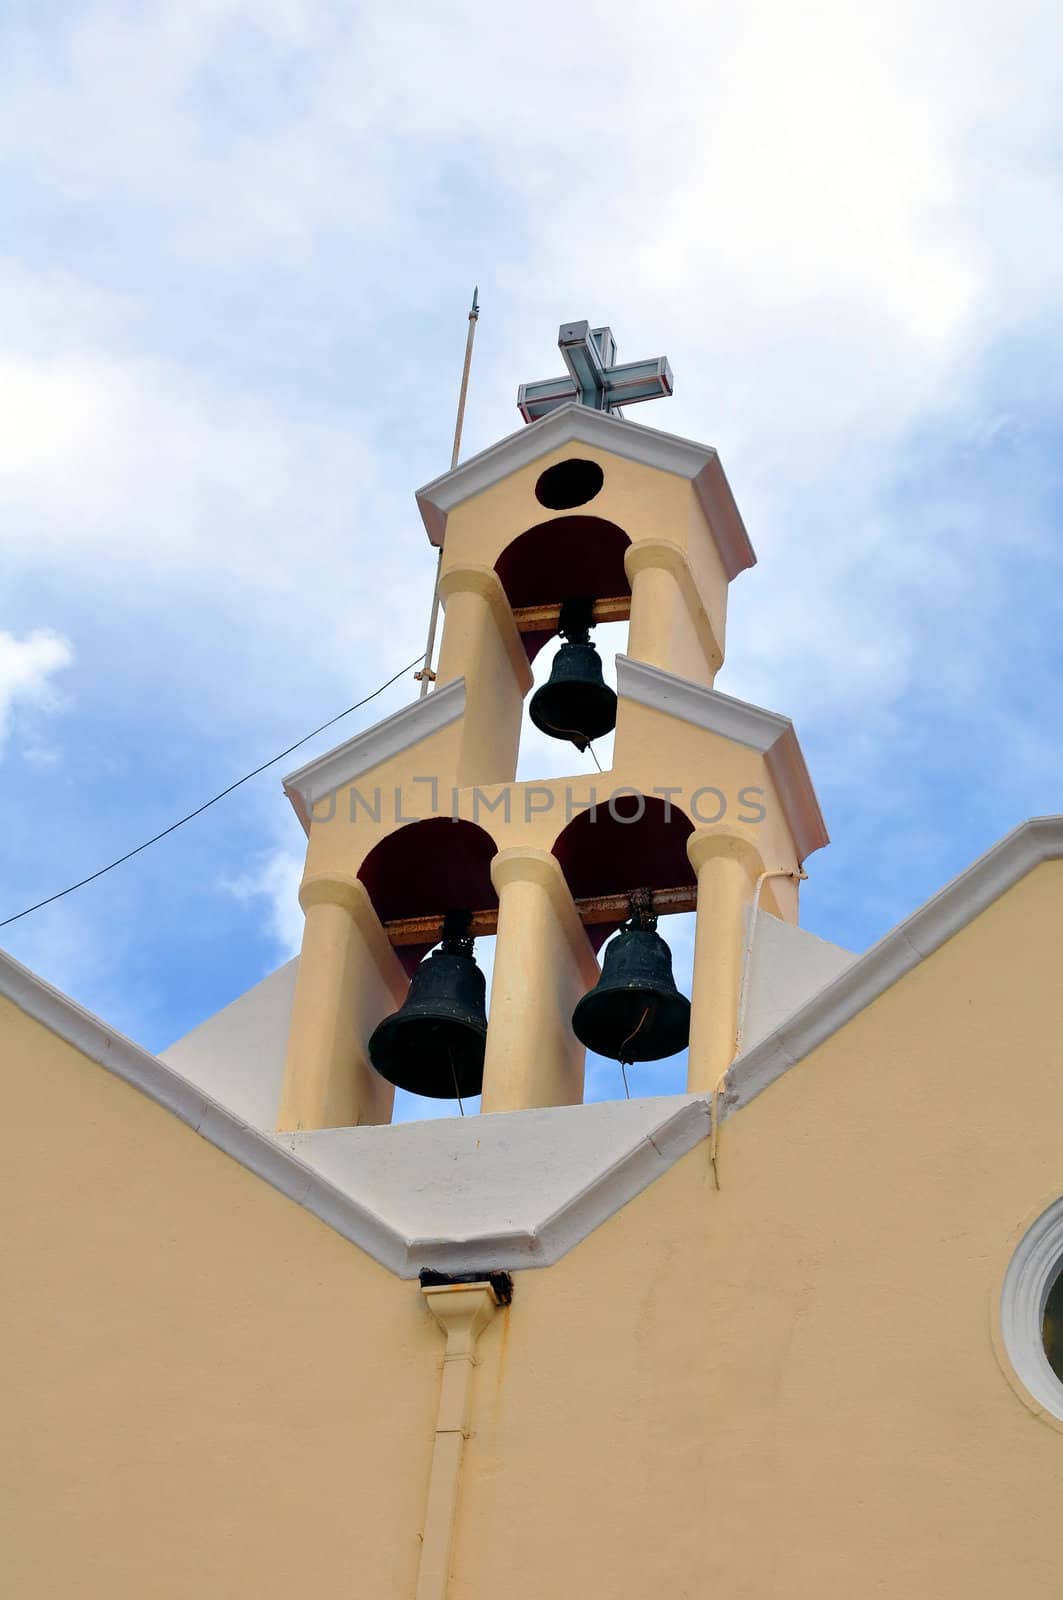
(212, 801)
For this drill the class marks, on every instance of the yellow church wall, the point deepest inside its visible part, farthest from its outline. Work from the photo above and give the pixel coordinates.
(784, 1386)
(209, 1393)
(788, 1387)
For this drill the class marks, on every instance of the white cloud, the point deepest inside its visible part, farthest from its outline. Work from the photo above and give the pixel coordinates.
(276, 881)
(27, 668)
(228, 348)
(811, 211)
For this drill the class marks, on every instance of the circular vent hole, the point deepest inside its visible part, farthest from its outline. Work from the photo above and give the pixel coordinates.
(570, 483)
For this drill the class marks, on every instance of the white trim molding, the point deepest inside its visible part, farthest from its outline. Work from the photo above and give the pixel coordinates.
(327, 773)
(765, 731)
(575, 423)
(895, 955)
(513, 1189)
(504, 1190)
(1032, 1271)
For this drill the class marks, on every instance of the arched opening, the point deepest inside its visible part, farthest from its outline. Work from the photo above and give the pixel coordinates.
(413, 878)
(543, 567)
(426, 869)
(633, 841)
(567, 556)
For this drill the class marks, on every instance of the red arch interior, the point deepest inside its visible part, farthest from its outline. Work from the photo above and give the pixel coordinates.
(567, 556)
(428, 868)
(614, 852)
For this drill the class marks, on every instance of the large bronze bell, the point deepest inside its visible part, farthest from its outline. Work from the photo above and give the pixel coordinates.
(576, 702)
(635, 1012)
(434, 1044)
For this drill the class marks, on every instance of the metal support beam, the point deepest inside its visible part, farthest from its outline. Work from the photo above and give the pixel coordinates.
(537, 619)
(599, 908)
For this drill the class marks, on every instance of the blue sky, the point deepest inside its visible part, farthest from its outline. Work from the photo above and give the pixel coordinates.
(241, 241)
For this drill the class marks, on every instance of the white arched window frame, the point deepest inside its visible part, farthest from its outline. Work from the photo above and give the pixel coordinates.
(1032, 1271)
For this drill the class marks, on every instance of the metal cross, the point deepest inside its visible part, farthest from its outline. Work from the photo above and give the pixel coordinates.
(594, 377)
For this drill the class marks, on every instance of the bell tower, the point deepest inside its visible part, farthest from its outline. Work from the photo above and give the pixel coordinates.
(417, 829)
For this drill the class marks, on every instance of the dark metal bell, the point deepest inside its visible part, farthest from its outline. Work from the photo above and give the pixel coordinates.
(634, 1012)
(576, 702)
(434, 1044)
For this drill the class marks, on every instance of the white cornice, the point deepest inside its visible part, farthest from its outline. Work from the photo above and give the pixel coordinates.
(904, 947)
(598, 1158)
(325, 774)
(504, 1190)
(773, 736)
(573, 422)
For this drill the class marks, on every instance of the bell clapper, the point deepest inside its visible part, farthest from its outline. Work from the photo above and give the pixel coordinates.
(640, 903)
(456, 941)
(454, 1075)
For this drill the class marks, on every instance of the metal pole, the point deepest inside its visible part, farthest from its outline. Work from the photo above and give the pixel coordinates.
(426, 674)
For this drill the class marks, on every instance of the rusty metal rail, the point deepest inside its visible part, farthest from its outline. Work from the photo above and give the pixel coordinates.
(599, 908)
(538, 619)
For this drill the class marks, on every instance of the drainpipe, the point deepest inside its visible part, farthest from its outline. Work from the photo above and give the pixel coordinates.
(463, 1309)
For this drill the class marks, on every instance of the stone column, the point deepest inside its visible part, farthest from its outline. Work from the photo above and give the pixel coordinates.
(727, 867)
(349, 979)
(543, 964)
(669, 626)
(481, 644)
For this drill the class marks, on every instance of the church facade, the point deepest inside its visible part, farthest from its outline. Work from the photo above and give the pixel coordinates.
(791, 1332)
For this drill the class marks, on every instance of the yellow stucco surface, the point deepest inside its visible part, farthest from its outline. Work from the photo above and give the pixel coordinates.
(787, 1387)
(209, 1393)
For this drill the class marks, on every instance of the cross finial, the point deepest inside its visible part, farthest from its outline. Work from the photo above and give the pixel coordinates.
(594, 377)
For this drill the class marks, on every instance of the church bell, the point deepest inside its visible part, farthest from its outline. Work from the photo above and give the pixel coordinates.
(635, 1012)
(434, 1044)
(576, 702)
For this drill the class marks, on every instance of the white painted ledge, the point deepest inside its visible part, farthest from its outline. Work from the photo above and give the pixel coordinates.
(513, 1189)
(506, 1190)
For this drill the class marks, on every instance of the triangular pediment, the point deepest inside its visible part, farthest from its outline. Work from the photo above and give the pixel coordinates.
(401, 731)
(767, 732)
(578, 424)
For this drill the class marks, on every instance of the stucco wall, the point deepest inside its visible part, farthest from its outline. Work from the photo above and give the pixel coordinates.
(787, 1387)
(209, 1393)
